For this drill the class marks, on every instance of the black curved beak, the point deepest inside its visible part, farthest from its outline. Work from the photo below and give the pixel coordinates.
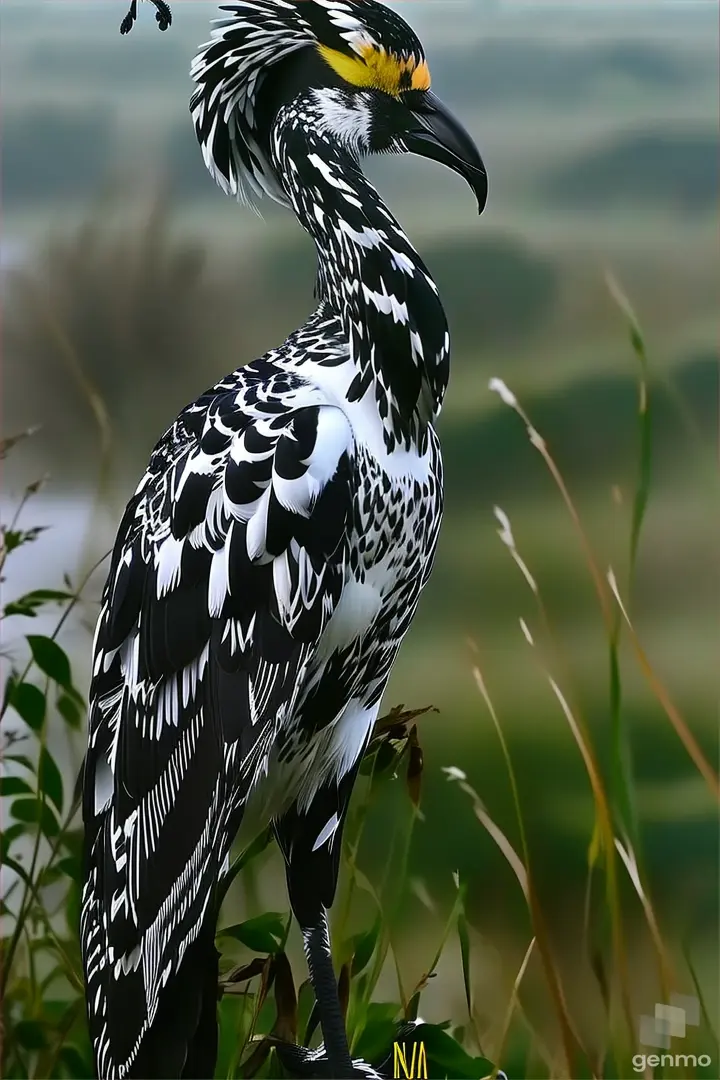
(439, 136)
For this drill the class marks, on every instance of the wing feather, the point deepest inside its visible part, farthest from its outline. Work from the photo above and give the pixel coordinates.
(229, 562)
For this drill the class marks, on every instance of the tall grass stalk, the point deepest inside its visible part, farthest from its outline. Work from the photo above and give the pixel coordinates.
(616, 833)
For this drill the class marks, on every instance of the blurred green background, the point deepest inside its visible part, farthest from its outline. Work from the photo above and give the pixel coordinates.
(130, 283)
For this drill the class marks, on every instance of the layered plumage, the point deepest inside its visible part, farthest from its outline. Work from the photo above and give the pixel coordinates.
(272, 557)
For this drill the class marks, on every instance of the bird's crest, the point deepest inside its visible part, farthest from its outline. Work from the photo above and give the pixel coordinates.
(364, 43)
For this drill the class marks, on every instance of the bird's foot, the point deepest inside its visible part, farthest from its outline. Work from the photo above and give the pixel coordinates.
(304, 1064)
(300, 1063)
(163, 15)
(127, 24)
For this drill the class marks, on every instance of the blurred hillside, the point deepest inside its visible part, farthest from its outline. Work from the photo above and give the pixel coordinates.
(134, 282)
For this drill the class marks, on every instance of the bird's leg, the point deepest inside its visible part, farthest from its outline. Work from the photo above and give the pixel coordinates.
(312, 855)
(319, 957)
(333, 1058)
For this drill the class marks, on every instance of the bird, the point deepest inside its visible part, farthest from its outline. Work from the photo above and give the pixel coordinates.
(271, 559)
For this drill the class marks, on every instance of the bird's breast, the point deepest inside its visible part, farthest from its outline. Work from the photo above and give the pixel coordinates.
(397, 514)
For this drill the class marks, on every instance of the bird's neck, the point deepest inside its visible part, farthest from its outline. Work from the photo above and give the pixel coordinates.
(370, 275)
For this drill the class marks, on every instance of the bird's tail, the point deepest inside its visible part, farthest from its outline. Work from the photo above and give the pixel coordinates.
(183, 1038)
(202, 1049)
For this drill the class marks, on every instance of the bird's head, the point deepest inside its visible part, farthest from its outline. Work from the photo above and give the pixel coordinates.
(353, 69)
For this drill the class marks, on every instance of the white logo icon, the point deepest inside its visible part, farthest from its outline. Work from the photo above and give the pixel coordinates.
(670, 1021)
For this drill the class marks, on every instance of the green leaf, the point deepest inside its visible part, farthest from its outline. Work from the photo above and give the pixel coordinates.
(363, 946)
(368, 762)
(7, 837)
(306, 1003)
(51, 659)
(386, 760)
(446, 1057)
(465, 955)
(49, 778)
(49, 596)
(413, 1006)
(234, 1015)
(17, 607)
(72, 908)
(70, 711)
(378, 1032)
(265, 934)
(74, 1063)
(15, 538)
(464, 936)
(251, 852)
(73, 843)
(75, 695)
(36, 812)
(13, 785)
(50, 874)
(20, 759)
(28, 701)
(31, 602)
(71, 867)
(30, 1034)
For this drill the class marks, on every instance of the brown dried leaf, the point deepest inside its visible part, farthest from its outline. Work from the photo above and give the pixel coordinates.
(245, 972)
(415, 768)
(256, 1060)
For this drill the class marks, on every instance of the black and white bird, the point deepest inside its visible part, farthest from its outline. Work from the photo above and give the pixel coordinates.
(272, 557)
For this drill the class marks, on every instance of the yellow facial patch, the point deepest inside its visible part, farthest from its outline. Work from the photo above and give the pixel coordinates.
(377, 69)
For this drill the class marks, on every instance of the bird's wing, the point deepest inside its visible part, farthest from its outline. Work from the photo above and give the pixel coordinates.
(229, 562)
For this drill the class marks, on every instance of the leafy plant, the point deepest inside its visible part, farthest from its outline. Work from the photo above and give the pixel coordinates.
(40, 847)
